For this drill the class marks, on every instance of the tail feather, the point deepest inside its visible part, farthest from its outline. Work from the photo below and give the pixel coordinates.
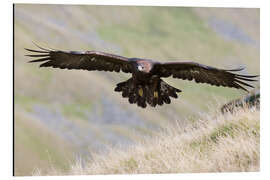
(147, 93)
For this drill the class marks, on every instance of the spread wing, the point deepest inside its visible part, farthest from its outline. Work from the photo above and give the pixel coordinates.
(204, 74)
(86, 60)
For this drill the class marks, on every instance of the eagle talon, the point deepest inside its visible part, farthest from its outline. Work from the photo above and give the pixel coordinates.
(155, 94)
(140, 92)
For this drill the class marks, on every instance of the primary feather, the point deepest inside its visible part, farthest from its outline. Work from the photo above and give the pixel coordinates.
(86, 60)
(205, 74)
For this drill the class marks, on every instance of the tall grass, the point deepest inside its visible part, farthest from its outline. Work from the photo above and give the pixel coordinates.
(217, 143)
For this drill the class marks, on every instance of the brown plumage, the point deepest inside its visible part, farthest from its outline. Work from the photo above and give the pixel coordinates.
(145, 85)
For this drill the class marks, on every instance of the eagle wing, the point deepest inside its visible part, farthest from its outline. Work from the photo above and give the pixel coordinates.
(204, 74)
(86, 60)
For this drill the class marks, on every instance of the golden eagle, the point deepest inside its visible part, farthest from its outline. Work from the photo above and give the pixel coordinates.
(145, 85)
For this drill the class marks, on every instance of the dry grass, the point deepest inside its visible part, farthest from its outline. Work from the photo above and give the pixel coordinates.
(225, 143)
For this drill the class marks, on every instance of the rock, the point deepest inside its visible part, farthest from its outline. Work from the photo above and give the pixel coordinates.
(250, 100)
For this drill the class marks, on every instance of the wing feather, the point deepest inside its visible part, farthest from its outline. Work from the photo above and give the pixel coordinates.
(204, 74)
(86, 60)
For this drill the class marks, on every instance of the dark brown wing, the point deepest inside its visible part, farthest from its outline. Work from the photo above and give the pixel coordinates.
(204, 74)
(86, 60)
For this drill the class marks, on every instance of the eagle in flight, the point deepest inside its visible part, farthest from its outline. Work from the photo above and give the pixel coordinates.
(145, 85)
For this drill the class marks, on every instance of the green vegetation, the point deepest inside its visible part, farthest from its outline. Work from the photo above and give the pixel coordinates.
(162, 32)
(76, 110)
(224, 131)
(44, 146)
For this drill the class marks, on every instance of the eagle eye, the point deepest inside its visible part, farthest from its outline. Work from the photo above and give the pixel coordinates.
(140, 67)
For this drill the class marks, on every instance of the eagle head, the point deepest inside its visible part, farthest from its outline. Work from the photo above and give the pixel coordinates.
(140, 67)
(144, 66)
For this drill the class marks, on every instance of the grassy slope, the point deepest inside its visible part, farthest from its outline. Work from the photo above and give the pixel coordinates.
(37, 147)
(219, 143)
(158, 33)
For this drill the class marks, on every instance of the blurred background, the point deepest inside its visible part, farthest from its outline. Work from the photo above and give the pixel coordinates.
(65, 115)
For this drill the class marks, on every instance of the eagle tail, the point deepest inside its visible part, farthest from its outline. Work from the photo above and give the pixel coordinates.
(147, 93)
(129, 91)
(165, 91)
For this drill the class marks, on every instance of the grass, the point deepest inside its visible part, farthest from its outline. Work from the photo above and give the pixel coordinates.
(76, 110)
(214, 143)
(37, 149)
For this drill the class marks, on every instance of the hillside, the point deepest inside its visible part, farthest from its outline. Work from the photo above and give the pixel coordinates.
(64, 115)
(220, 143)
